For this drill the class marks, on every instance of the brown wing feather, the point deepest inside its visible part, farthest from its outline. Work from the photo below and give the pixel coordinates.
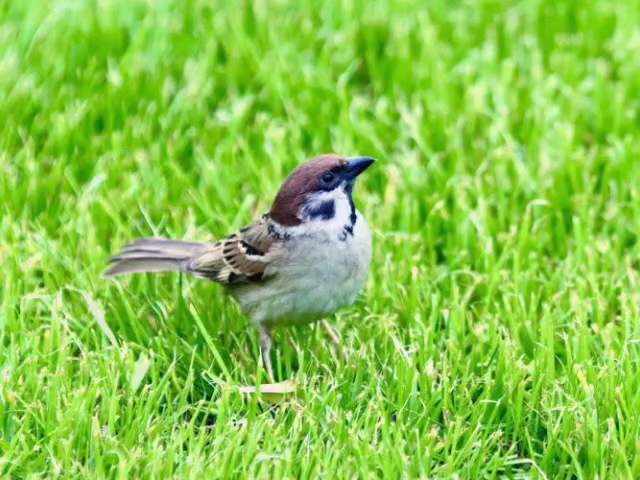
(240, 258)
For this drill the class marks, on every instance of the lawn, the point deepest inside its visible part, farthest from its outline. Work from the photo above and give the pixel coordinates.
(499, 332)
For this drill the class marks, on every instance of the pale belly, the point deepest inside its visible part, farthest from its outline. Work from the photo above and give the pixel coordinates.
(327, 275)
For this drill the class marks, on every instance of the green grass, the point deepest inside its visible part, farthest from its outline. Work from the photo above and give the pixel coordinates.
(499, 332)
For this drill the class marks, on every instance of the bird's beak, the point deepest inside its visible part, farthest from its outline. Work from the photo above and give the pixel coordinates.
(357, 165)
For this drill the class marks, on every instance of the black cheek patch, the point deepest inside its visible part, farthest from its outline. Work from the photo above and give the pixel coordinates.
(324, 211)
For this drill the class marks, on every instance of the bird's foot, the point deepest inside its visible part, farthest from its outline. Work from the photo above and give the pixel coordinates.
(336, 340)
(265, 346)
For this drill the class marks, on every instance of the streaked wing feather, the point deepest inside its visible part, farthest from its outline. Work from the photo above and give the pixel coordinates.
(240, 258)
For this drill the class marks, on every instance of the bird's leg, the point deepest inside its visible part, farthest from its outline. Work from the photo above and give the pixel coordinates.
(336, 340)
(265, 346)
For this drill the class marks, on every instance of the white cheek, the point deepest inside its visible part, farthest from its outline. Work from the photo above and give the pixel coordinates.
(342, 214)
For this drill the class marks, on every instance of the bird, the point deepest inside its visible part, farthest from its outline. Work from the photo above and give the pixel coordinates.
(297, 264)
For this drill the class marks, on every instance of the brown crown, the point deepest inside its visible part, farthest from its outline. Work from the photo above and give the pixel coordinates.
(299, 183)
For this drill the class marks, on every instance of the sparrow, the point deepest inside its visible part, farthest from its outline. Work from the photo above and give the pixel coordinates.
(297, 264)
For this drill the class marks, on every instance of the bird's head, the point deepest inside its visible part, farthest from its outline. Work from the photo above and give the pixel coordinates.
(319, 190)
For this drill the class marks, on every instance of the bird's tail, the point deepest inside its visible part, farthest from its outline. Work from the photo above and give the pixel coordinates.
(153, 255)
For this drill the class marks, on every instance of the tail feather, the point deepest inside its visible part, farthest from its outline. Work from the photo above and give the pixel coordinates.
(153, 255)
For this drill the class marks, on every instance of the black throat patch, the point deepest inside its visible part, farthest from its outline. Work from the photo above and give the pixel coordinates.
(353, 217)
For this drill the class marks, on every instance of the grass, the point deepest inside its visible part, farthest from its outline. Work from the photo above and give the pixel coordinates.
(499, 332)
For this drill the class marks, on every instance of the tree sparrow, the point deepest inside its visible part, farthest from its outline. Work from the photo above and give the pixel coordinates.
(302, 261)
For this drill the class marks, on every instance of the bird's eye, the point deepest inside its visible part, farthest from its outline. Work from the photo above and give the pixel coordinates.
(328, 177)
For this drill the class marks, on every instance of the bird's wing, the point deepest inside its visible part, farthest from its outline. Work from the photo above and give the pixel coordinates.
(241, 257)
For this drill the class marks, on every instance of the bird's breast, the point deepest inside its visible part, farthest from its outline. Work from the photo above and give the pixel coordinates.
(317, 275)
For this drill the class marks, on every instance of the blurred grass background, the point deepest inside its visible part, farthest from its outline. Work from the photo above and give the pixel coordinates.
(498, 333)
